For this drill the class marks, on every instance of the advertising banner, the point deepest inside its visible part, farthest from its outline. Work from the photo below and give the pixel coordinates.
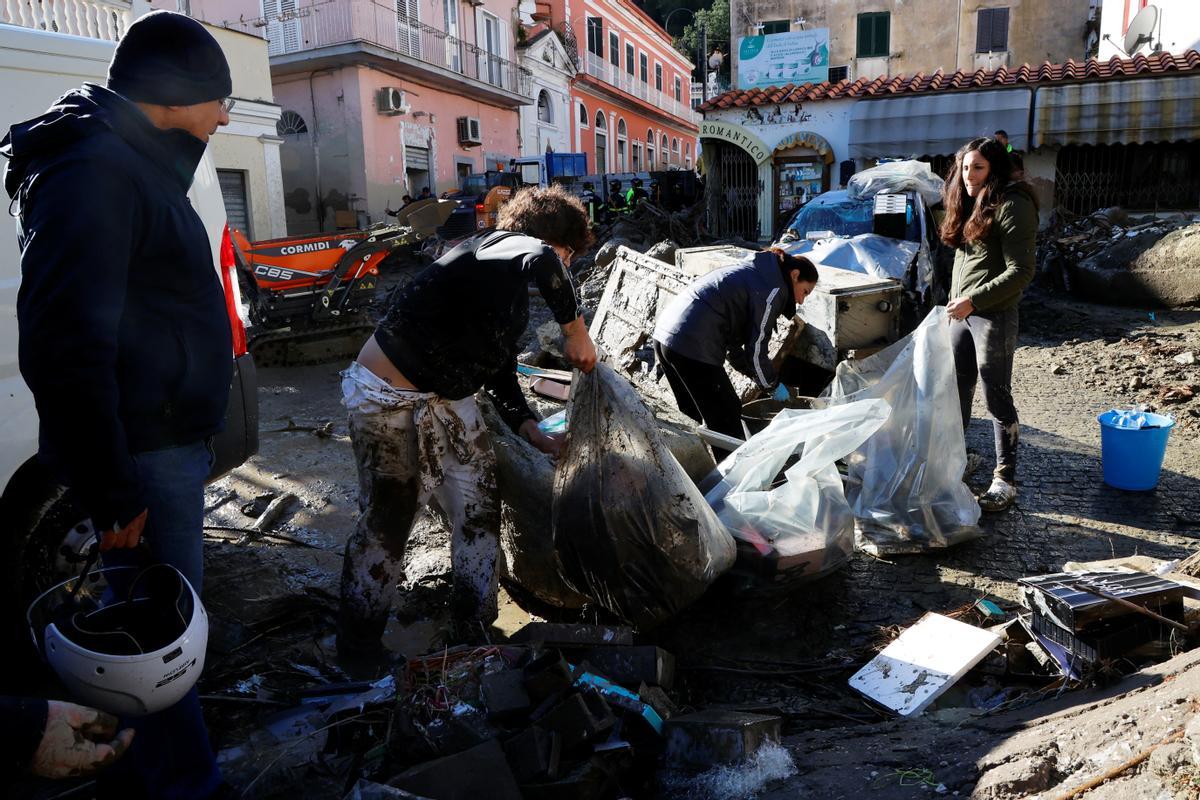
(778, 59)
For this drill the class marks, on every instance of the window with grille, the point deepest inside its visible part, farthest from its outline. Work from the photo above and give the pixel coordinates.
(873, 32)
(991, 35)
(290, 123)
(838, 74)
(776, 26)
(614, 48)
(595, 36)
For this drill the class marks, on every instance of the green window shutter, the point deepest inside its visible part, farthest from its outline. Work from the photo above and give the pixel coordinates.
(873, 30)
(864, 30)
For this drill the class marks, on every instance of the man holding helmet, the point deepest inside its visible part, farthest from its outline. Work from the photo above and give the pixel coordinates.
(124, 338)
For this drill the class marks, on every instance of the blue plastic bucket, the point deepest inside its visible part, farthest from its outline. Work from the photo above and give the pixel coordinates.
(1132, 457)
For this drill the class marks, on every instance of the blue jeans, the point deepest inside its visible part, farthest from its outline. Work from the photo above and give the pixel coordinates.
(171, 758)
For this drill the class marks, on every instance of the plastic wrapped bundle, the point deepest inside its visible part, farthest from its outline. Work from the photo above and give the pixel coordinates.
(802, 528)
(631, 530)
(906, 484)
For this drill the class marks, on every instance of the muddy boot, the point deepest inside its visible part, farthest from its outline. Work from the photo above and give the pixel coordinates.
(999, 496)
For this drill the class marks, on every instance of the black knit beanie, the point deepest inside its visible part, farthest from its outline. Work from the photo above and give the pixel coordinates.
(169, 59)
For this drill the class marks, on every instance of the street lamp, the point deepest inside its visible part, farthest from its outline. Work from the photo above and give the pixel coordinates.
(701, 47)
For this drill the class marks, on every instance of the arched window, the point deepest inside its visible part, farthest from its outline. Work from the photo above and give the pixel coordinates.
(600, 123)
(650, 165)
(675, 146)
(290, 123)
(622, 133)
(583, 115)
(544, 111)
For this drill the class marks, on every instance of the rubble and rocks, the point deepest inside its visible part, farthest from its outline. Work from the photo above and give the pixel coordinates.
(1110, 257)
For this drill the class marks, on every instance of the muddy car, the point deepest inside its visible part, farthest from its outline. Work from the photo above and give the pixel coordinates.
(887, 235)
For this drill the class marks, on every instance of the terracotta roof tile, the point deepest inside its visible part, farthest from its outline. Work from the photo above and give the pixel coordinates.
(939, 81)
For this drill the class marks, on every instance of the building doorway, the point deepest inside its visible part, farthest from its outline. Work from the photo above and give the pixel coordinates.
(798, 179)
(732, 189)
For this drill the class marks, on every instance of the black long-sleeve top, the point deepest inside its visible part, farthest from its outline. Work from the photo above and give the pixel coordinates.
(456, 326)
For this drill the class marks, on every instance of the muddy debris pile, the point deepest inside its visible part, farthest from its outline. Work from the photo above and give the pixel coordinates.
(1118, 258)
(561, 711)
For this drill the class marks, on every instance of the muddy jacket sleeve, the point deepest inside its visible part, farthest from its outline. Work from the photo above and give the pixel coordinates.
(22, 724)
(760, 323)
(505, 392)
(555, 284)
(75, 259)
(1018, 222)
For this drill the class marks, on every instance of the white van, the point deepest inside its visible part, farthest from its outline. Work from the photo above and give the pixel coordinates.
(43, 533)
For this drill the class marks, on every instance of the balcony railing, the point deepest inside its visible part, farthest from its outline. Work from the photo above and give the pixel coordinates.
(94, 19)
(614, 75)
(343, 21)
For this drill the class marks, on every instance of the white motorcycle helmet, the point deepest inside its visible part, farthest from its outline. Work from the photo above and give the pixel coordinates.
(131, 644)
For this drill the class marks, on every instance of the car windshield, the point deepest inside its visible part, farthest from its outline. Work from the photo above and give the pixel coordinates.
(845, 216)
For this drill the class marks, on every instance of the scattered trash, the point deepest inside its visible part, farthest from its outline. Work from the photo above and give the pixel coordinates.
(630, 528)
(925, 661)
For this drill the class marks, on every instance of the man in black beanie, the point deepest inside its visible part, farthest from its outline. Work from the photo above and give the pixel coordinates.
(124, 338)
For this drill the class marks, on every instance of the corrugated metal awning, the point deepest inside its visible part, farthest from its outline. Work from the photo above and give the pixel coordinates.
(1118, 112)
(936, 124)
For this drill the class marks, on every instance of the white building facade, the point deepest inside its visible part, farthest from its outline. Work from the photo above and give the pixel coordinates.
(546, 124)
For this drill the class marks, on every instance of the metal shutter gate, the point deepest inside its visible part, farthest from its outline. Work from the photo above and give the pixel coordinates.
(233, 192)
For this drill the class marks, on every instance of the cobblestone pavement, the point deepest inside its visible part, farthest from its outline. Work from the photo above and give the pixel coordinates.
(1064, 512)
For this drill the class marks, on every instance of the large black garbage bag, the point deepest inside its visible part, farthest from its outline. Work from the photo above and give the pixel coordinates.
(631, 530)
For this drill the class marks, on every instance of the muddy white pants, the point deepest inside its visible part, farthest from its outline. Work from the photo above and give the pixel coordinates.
(411, 448)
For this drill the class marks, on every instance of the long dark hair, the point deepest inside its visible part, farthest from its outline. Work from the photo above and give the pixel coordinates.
(969, 219)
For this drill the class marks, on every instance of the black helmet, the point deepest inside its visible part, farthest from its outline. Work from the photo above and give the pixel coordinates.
(614, 183)
(588, 185)
(637, 181)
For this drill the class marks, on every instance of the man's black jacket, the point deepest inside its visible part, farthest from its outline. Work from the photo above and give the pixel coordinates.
(124, 338)
(456, 326)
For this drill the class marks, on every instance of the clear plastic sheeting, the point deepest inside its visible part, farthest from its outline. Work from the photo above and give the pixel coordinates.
(867, 253)
(898, 176)
(905, 483)
(806, 520)
(631, 530)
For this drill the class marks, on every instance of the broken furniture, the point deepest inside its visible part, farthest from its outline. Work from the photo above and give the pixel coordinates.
(1091, 627)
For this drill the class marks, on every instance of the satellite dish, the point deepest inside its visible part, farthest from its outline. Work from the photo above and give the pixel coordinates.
(1141, 30)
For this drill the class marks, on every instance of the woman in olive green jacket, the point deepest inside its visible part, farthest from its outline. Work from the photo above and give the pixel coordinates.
(991, 222)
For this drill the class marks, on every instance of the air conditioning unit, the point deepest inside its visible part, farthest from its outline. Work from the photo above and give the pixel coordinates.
(390, 101)
(469, 131)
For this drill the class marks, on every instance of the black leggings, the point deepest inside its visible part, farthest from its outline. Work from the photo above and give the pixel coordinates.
(703, 392)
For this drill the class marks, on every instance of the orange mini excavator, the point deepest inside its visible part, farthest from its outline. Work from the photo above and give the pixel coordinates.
(310, 295)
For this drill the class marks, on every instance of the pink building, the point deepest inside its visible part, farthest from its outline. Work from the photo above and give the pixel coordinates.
(631, 102)
(382, 99)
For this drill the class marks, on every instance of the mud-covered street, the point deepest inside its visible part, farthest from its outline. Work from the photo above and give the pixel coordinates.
(272, 597)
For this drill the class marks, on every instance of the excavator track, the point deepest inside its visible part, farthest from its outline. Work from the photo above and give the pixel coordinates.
(313, 344)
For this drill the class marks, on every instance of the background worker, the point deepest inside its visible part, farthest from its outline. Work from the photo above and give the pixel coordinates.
(729, 313)
(991, 222)
(125, 341)
(636, 194)
(616, 198)
(416, 430)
